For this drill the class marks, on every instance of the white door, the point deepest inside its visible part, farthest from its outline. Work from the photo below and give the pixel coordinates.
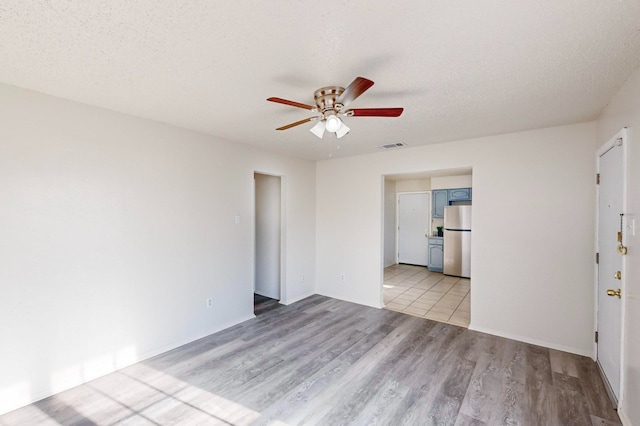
(413, 228)
(610, 206)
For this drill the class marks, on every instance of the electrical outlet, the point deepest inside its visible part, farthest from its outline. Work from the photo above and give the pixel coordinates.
(209, 303)
(342, 277)
(303, 278)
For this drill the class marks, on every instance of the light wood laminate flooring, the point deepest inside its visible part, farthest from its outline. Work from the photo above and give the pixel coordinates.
(322, 361)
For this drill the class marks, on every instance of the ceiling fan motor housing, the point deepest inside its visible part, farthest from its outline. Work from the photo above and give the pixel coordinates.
(326, 98)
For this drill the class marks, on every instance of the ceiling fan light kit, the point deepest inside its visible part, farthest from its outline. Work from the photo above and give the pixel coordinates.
(343, 130)
(331, 102)
(318, 129)
(332, 122)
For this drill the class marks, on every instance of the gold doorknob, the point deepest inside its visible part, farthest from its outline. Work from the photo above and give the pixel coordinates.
(614, 293)
(617, 275)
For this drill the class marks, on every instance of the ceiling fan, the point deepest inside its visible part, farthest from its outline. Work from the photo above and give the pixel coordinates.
(330, 104)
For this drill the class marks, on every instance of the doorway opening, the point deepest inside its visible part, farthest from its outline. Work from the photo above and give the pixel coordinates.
(413, 282)
(268, 242)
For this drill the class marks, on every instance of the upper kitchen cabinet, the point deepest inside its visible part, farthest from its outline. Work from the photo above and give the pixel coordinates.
(459, 194)
(446, 197)
(440, 200)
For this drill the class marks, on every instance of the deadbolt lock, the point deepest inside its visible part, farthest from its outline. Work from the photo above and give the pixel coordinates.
(617, 292)
(617, 275)
(622, 250)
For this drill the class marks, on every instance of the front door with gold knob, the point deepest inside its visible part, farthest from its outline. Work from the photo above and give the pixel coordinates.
(610, 283)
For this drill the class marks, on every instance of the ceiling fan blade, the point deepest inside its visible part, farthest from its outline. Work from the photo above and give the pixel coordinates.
(374, 112)
(355, 89)
(290, 103)
(297, 123)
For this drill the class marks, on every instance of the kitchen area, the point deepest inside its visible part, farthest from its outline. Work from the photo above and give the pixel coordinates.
(450, 245)
(427, 256)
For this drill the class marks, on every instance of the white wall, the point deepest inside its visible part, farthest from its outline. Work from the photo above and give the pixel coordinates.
(528, 283)
(413, 185)
(113, 232)
(268, 229)
(447, 182)
(390, 220)
(624, 111)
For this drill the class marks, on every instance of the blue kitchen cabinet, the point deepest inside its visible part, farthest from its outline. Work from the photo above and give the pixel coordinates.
(440, 199)
(436, 255)
(459, 194)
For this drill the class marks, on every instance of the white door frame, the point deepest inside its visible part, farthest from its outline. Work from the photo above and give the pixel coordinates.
(283, 233)
(398, 215)
(622, 134)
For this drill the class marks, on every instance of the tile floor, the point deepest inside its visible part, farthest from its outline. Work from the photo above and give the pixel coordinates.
(417, 291)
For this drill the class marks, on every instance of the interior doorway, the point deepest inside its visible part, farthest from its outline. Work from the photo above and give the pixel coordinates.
(268, 241)
(407, 286)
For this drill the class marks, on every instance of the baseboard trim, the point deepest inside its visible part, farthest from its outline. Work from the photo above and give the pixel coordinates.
(357, 302)
(40, 395)
(296, 299)
(170, 346)
(583, 352)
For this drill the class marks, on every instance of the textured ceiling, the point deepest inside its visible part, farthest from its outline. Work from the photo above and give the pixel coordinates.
(459, 68)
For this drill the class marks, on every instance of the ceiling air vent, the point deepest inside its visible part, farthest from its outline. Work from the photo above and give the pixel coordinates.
(393, 145)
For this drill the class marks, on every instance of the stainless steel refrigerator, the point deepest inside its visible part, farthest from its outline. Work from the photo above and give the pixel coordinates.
(457, 241)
